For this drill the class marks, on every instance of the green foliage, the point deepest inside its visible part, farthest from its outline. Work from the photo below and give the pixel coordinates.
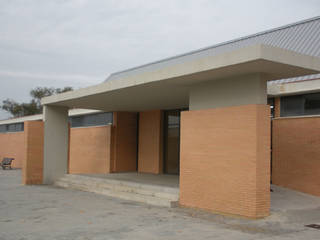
(34, 106)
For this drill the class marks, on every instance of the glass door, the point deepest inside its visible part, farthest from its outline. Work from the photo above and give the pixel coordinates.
(172, 142)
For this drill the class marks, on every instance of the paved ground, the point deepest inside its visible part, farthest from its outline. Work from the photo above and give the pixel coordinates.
(44, 212)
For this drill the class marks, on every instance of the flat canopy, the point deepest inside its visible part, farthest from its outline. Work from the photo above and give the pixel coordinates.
(168, 87)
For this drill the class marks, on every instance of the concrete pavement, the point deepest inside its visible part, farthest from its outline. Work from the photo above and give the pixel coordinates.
(46, 212)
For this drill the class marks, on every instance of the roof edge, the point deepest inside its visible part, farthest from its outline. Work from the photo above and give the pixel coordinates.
(217, 45)
(36, 117)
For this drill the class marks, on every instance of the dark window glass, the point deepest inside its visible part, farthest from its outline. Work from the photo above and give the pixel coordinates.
(11, 128)
(312, 104)
(171, 141)
(306, 104)
(98, 119)
(3, 128)
(20, 127)
(14, 127)
(173, 121)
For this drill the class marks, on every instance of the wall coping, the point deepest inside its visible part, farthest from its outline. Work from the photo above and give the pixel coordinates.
(295, 117)
(106, 125)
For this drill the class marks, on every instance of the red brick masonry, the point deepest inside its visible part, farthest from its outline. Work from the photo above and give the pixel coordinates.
(296, 153)
(225, 160)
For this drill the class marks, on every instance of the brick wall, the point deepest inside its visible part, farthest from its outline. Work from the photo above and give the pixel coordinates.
(277, 107)
(225, 160)
(150, 142)
(11, 145)
(296, 153)
(105, 149)
(124, 142)
(89, 149)
(32, 171)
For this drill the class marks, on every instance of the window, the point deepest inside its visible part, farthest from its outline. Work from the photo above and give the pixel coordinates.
(306, 104)
(14, 127)
(3, 128)
(98, 119)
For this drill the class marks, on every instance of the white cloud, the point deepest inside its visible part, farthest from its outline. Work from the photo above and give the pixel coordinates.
(79, 42)
(82, 79)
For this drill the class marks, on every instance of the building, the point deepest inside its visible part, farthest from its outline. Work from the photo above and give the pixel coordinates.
(202, 115)
(295, 133)
(13, 134)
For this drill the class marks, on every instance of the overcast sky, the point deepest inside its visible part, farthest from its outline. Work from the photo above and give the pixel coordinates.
(80, 42)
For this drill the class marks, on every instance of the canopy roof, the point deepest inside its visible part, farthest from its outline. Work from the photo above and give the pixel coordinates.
(168, 87)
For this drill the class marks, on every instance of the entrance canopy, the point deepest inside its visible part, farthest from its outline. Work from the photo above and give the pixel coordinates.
(225, 134)
(169, 86)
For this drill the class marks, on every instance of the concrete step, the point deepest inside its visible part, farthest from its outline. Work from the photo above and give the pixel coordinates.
(170, 193)
(145, 193)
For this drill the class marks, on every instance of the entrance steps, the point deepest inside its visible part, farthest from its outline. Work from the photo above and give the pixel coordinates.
(140, 192)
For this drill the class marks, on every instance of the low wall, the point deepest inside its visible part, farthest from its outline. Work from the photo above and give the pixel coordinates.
(12, 145)
(225, 160)
(89, 150)
(296, 153)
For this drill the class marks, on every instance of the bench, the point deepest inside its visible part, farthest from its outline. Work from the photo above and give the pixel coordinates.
(6, 163)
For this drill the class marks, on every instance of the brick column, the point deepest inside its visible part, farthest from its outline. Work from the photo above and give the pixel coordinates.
(225, 160)
(150, 142)
(32, 167)
(124, 142)
(277, 107)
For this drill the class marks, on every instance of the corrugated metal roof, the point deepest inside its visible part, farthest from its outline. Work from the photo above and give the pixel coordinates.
(297, 79)
(302, 37)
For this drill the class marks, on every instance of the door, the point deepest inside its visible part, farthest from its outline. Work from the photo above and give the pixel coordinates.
(172, 141)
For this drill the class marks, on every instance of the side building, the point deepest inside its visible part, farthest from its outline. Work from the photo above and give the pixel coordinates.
(90, 132)
(296, 133)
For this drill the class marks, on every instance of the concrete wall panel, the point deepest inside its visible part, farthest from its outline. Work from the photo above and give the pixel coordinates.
(235, 91)
(56, 143)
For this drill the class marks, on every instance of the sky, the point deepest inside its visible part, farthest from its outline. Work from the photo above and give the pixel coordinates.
(78, 43)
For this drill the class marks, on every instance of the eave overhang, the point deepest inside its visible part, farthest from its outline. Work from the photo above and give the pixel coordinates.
(169, 86)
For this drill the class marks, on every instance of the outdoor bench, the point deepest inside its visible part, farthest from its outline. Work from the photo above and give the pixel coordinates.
(6, 163)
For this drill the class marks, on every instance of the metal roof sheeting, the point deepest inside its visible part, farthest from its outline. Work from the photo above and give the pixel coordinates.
(297, 79)
(302, 37)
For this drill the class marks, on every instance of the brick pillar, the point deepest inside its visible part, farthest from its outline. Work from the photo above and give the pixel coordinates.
(124, 142)
(277, 107)
(150, 142)
(32, 168)
(225, 160)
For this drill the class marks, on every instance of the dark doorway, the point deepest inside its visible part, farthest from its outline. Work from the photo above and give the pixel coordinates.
(171, 142)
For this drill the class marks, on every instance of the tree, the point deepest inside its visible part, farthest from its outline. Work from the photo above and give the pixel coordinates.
(34, 106)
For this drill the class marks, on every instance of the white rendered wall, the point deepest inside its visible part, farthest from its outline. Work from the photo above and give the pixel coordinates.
(242, 90)
(55, 143)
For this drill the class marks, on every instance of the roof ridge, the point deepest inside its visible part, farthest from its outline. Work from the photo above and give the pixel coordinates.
(220, 44)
